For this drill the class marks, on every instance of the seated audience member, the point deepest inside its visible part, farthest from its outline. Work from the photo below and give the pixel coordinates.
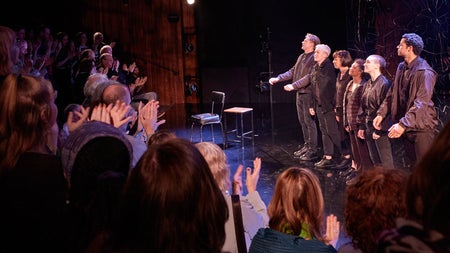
(254, 211)
(296, 213)
(147, 117)
(96, 159)
(428, 204)
(89, 89)
(170, 203)
(32, 184)
(161, 136)
(7, 44)
(373, 202)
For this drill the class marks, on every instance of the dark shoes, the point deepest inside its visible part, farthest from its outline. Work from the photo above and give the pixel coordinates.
(344, 163)
(351, 178)
(346, 172)
(308, 156)
(301, 151)
(325, 163)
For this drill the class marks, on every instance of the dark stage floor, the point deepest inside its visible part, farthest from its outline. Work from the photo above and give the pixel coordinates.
(277, 136)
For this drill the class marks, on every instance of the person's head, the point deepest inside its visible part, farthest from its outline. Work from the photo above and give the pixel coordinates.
(378, 195)
(297, 203)
(374, 64)
(86, 65)
(116, 91)
(28, 112)
(98, 37)
(106, 60)
(161, 136)
(81, 38)
(342, 58)
(171, 203)
(410, 42)
(87, 53)
(106, 49)
(309, 42)
(357, 68)
(90, 87)
(7, 44)
(217, 161)
(321, 53)
(428, 192)
(96, 159)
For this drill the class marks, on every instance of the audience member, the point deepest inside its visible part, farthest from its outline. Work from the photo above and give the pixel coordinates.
(304, 98)
(296, 213)
(374, 92)
(170, 203)
(97, 44)
(32, 184)
(89, 89)
(7, 44)
(254, 211)
(352, 103)
(161, 136)
(146, 117)
(373, 202)
(342, 61)
(96, 159)
(409, 101)
(428, 203)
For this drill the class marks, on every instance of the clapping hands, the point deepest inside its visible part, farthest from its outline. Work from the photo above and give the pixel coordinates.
(251, 179)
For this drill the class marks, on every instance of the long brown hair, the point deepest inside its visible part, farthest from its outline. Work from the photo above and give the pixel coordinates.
(171, 203)
(297, 200)
(25, 112)
(7, 42)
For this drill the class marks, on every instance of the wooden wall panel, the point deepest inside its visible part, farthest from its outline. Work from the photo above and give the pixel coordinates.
(150, 32)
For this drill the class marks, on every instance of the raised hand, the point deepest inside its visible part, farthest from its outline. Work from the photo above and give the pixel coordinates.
(148, 117)
(333, 229)
(252, 178)
(76, 118)
(101, 113)
(237, 180)
(120, 114)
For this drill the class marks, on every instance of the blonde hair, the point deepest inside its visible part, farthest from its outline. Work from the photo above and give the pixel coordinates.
(217, 161)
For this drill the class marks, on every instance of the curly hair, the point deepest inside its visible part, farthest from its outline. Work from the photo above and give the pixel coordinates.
(372, 205)
(414, 40)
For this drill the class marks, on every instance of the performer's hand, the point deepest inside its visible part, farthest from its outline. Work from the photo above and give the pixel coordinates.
(274, 80)
(395, 131)
(312, 112)
(361, 134)
(377, 122)
(288, 87)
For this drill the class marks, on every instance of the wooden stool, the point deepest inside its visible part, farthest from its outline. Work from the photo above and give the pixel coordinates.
(239, 130)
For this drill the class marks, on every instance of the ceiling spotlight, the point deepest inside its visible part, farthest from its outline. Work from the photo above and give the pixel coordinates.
(190, 1)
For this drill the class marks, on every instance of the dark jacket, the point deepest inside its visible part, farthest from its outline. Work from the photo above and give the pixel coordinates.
(374, 93)
(420, 113)
(269, 240)
(302, 67)
(323, 80)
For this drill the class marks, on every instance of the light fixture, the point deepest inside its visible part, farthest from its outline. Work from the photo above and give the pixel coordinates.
(190, 1)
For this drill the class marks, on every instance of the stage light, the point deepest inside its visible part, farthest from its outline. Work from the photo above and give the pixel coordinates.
(190, 1)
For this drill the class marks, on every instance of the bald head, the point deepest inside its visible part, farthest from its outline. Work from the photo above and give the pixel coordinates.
(114, 92)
